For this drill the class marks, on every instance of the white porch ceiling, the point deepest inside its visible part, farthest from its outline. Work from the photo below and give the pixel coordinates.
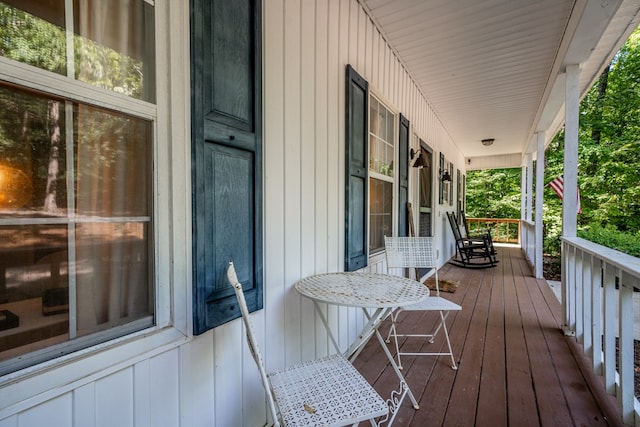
(493, 68)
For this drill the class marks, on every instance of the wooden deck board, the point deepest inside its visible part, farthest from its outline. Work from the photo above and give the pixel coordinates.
(516, 367)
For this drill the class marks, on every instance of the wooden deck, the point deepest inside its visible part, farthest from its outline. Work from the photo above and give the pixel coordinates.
(516, 367)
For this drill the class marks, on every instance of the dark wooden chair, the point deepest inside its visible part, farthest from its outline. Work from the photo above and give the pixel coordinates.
(470, 253)
(477, 237)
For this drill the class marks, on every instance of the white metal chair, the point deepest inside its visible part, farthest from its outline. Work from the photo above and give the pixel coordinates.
(418, 252)
(324, 392)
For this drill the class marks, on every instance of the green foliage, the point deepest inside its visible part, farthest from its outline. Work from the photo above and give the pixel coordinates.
(493, 193)
(608, 160)
(608, 166)
(611, 237)
(34, 41)
(21, 32)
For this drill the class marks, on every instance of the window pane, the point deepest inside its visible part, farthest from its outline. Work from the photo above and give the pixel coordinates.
(113, 163)
(112, 275)
(374, 119)
(389, 126)
(34, 34)
(114, 46)
(380, 206)
(100, 255)
(34, 284)
(381, 141)
(32, 154)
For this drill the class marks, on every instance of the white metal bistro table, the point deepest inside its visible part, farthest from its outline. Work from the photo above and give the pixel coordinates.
(380, 292)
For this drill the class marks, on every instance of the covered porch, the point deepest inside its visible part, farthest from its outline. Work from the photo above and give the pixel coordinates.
(516, 367)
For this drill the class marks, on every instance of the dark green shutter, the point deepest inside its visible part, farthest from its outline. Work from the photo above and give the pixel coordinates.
(357, 171)
(226, 157)
(403, 177)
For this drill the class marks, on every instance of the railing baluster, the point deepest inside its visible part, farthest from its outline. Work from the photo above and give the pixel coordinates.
(609, 328)
(596, 314)
(597, 297)
(569, 288)
(579, 296)
(625, 344)
(587, 326)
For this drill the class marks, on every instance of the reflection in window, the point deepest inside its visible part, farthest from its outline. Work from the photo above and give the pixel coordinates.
(112, 46)
(381, 154)
(32, 148)
(381, 147)
(380, 208)
(75, 221)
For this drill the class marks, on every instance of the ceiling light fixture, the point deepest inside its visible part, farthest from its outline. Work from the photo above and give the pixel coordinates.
(487, 142)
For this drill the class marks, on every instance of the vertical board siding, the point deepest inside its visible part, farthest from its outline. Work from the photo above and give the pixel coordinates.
(212, 379)
(291, 192)
(304, 150)
(145, 393)
(308, 164)
(58, 409)
(274, 151)
(114, 399)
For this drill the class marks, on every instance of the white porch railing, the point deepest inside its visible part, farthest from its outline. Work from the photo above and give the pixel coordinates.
(597, 295)
(528, 240)
(503, 230)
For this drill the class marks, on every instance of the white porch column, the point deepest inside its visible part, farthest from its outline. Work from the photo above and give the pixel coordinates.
(572, 107)
(539, 204)
(529, 209)
(571, 303)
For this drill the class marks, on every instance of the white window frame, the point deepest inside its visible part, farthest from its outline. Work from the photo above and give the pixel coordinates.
(378, 255)
(171, 213)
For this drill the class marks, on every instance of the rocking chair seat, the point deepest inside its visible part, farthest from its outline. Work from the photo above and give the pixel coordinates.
(469, 251)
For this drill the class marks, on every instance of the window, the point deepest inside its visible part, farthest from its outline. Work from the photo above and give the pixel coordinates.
(76, 263)
(381, 173)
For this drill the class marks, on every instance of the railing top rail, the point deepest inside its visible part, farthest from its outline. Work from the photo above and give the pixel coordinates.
(493, 219)
(624, 262)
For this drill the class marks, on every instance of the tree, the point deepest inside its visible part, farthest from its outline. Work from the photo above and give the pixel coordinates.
(608, 162)
(493, 193)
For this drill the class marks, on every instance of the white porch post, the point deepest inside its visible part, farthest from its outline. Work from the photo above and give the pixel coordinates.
(539, 204)
(572, 107)
(571, 303)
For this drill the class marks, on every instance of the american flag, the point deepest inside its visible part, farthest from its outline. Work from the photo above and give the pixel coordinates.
(557, 185)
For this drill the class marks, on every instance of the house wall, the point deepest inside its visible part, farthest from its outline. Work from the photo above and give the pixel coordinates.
(167, 377)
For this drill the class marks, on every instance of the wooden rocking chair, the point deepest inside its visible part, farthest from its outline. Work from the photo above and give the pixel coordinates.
(470, 253)
(477, 237)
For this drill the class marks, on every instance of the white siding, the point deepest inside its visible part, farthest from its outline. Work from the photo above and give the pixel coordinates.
(211, 379)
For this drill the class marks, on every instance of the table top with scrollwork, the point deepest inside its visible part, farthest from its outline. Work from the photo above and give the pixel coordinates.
(362, 289)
